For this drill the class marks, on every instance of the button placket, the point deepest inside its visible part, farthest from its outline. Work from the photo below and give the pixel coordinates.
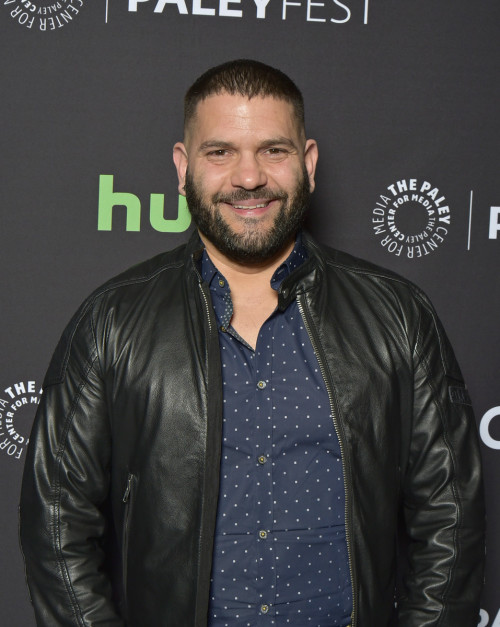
(266, 567)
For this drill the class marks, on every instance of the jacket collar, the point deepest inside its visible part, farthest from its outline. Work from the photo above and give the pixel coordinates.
(300, 280)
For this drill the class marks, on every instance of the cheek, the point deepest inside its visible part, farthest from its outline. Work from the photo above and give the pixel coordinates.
(210, 180)
(287, 176)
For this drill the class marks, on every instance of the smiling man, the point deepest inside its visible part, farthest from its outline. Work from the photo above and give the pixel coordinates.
(255, 164)
(230, 432)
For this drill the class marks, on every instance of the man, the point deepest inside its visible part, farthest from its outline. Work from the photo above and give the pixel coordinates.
(229, 431)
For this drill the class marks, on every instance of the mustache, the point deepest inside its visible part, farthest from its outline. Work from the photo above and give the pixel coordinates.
(244, 194)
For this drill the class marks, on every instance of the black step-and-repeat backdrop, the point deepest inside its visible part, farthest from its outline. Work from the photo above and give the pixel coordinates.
(402, 96)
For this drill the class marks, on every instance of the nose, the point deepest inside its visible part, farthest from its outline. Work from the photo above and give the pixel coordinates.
(248, 172)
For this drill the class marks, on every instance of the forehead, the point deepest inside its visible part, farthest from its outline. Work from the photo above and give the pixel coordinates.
(261, 117)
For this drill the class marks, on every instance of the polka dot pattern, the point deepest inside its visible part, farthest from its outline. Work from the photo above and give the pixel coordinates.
(280, 554)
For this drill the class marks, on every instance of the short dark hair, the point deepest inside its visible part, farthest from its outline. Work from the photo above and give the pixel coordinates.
(245, 77)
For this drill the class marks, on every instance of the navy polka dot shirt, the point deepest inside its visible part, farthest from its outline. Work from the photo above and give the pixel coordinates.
(280, 553)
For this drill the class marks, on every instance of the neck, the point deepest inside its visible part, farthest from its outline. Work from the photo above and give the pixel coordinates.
(246, 276)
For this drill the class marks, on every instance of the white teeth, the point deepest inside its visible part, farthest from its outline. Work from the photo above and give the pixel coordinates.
(252, 207)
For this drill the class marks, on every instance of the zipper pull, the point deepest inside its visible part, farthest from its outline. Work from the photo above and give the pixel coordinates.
(126, 494)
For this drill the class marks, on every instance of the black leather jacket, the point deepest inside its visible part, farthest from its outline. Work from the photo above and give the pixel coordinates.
(121, 482)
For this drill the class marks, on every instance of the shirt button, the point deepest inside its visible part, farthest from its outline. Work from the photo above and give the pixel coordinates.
(262, 459)
(261, 385)
(222, 282)
(263, 534)
(223, 329)
(264, 609)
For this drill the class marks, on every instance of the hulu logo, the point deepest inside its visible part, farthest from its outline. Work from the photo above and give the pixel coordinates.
(109, 199)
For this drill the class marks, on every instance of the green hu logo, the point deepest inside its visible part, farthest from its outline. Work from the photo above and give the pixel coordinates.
(109, 199)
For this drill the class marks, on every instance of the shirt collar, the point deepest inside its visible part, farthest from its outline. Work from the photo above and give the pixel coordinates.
(296, 258)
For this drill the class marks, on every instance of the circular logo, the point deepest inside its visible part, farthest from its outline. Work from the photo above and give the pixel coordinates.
(485, 430)
(43, 15)
(484, 619)
(17, 408)
(412, 219)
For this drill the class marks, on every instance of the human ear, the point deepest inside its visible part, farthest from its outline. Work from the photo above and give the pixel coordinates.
(181, 161)
(310, 160)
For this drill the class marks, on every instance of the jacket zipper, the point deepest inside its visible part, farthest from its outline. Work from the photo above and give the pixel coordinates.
(329, 390)
(207, 307)
(126, 494)
(200, 614)
(126, 523)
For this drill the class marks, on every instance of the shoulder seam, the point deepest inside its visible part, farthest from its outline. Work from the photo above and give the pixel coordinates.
(133, 280)
(371, 272)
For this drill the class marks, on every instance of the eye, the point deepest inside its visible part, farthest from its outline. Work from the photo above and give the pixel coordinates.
(274, 153)
(218, 153)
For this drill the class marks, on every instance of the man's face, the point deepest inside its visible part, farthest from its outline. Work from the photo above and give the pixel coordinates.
(248, 173)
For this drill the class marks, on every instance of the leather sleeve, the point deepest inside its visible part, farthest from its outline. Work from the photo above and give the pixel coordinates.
(442, 490)
(65, 487)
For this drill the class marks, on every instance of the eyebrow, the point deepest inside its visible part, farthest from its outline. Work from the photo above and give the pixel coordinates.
(280, 141)
(214, 143)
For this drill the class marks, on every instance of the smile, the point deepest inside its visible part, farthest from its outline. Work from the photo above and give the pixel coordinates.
(259, 206)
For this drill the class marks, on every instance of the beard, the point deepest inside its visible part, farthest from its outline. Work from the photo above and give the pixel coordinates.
(252, 246)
